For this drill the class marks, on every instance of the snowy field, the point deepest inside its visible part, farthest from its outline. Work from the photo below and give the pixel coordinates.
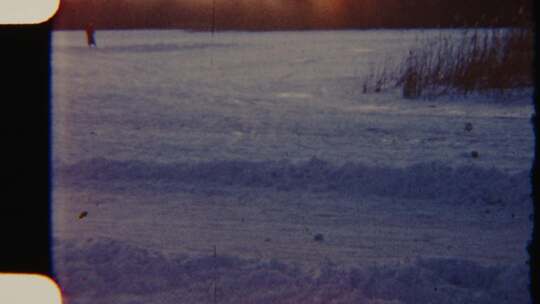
(249, 168)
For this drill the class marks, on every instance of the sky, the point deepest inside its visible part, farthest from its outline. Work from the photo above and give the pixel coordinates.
(287, 14)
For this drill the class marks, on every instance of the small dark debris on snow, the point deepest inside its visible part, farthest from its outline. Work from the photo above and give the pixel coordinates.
(318, 237)
(468, 127)
(83, 214)
(474, 154)
(267, 239)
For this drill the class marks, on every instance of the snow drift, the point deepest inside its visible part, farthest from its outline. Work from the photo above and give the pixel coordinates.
(98, 271)
(434, 180)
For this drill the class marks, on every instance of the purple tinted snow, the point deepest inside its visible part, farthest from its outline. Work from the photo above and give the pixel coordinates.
(151, 48)
(122, 269)
(434, 180)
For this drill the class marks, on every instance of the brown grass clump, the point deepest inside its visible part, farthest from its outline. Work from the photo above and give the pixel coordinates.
(484, 61)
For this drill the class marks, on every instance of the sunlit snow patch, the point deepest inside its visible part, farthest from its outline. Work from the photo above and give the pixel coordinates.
(294, 95)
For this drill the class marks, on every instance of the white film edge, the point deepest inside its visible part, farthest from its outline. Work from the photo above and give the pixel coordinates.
(27, 11)
(28, 289)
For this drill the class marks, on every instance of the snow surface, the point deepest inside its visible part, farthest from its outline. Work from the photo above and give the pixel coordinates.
(208, 164)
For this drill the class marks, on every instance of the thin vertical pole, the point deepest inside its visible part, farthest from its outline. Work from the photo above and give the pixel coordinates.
(215, 274)
(212, 29)
(213, 16)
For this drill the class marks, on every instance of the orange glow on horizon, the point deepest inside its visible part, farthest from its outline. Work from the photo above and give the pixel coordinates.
(329, 12)
(331, 7)
(318, 7)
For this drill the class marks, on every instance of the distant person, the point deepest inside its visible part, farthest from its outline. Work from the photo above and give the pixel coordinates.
(90, 35)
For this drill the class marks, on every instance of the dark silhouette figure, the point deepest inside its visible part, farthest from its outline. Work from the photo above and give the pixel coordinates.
(90, 35)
